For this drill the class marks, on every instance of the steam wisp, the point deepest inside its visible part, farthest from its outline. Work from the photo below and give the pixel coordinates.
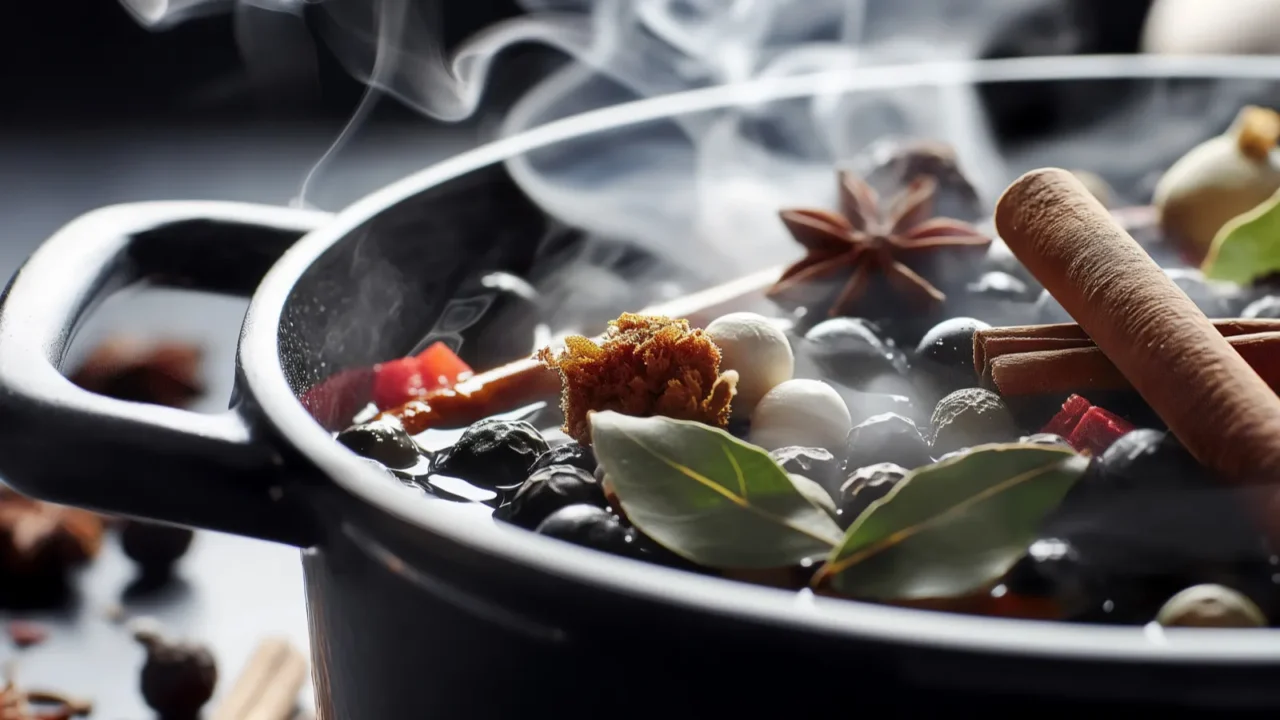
(772, 94)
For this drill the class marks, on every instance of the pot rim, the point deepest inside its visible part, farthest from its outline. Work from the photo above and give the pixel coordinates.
(798, 611)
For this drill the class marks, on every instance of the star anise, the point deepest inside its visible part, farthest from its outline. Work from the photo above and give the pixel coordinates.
(851, 251)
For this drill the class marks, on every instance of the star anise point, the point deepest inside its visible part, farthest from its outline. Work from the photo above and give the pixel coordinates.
(863, 242)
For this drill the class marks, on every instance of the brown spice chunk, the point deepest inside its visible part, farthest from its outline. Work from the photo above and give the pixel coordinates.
(646, 365)
(166, 373)
(17, 704)
(39, 538)
(178, 678)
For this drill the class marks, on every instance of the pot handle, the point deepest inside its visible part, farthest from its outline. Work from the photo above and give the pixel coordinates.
(64, 444)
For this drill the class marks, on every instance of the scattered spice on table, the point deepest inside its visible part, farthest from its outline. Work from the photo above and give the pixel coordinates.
(42, 539)
(165, 373)
(153, 546)
(178, 677)
(19, 704)
(267, 688)
(25, 634)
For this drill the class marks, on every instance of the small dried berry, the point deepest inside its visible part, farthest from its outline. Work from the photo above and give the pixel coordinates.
(549, 489)
(886, 438)
(817, 464)
(493, 454)
(971, 417)
(384, 440)
(154, 547)
(865, 486)
(570, 453)
(178, 678)
(592, 527)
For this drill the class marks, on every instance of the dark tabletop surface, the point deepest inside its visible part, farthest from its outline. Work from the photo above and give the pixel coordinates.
(228, 591)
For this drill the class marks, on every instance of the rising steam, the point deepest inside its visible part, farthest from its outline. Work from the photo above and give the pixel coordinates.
(651, 184)
(702, 189)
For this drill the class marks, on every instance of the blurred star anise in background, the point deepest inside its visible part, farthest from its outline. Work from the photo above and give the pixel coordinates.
(40, 542)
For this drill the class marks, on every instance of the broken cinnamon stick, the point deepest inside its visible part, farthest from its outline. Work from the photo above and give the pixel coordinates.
(267, 688)
(1052, 359)
(1214, 403)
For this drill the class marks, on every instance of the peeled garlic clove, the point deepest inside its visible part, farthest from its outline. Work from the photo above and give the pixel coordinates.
(1213, 606)
(801, 412)
(757, 350)
(1218, 180)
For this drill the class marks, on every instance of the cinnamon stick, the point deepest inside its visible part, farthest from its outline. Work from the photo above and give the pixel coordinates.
(1047, 359)
(1086, 369)
(267, 688)
(1218, 407)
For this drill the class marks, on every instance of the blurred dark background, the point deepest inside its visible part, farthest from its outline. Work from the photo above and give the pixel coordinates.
(87, 62)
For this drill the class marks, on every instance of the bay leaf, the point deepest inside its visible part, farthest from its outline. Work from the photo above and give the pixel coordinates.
(708, 496)
(953, 527)
(816, 494)
(1247, 247)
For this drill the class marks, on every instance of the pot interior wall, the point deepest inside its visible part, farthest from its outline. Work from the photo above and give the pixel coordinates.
(416, 272)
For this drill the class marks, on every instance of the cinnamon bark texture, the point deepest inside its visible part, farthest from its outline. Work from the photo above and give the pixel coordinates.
(1222, 411)
(1055, 359)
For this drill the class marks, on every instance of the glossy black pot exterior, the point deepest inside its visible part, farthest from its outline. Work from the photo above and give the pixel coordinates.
(421, 609)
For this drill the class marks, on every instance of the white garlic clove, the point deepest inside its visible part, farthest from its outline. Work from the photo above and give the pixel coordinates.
(1210, 606)
(809, 413)
(1218, 180)
(760, 352)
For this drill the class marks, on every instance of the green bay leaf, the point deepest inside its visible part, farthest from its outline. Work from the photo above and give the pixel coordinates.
(1247, 247)
(954, 527)
(708, 496)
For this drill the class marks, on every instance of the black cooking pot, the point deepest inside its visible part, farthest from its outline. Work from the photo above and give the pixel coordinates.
(419, 608)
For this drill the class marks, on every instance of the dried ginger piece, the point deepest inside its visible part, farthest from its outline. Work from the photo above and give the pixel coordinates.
(646, 365)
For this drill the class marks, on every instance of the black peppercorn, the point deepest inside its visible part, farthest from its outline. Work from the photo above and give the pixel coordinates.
(549, 489)
(570, 453)
(178, 677)
(384, 440)
(817, 464)
(154, 547)
(493, 454)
